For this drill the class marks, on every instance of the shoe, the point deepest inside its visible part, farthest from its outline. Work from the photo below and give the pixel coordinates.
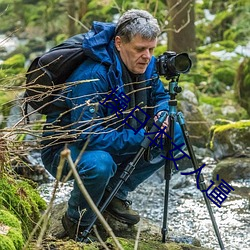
(121, 211)
(75, 231)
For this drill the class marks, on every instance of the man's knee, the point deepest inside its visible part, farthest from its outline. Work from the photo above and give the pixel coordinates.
(97, 165)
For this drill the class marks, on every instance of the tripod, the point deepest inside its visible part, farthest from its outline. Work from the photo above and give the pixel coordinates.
(128, 170)
(173, 90)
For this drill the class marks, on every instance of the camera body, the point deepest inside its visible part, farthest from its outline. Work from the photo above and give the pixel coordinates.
(171, 65)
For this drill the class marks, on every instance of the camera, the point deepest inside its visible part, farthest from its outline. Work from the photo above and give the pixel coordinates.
(171, 65)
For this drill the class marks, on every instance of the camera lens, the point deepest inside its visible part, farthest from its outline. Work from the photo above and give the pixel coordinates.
(182, 63)
(170, 64)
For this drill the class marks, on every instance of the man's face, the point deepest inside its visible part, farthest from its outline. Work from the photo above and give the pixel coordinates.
(137, 53)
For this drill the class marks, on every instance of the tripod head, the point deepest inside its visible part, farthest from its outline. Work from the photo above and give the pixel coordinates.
(174, 89)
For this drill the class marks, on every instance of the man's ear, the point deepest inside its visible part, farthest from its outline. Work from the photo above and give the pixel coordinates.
(118, 42)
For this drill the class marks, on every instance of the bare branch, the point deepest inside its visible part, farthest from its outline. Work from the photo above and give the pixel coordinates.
(66, 154)
(77, 21)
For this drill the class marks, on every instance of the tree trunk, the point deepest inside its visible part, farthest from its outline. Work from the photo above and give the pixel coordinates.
(71, 6)
(83, 7)
(181, 27)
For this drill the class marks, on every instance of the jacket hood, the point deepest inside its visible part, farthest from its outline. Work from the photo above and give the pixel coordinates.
(98, 43)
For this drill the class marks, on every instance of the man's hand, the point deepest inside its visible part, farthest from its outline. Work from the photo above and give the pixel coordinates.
(165, 124)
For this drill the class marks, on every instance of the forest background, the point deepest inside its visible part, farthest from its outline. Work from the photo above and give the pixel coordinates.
(214, 33)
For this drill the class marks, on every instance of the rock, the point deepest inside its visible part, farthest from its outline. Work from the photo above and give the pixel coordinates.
(231, 139)
(188, 95)
(149, 238)
(233, 169)
(180, 181)
(228, 110)
(197, 125)
(206, 109)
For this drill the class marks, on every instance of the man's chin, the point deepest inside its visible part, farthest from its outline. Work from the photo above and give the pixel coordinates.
(139, 71)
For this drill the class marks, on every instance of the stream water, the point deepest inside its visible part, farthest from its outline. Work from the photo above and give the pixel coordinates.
(187, 212)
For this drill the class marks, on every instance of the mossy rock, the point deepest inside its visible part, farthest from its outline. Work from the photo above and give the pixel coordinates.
(150, 235)
(128, 244)
(21, 199)
(11, 237)
(232, 169)
(231, 139)
(219, 107)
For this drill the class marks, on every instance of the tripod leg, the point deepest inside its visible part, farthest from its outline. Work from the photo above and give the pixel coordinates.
(168, 173)
(201, 179)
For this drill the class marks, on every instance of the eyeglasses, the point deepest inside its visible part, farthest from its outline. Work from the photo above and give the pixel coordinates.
(124, 24)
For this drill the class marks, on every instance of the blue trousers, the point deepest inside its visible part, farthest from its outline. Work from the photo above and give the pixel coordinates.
(99, 171)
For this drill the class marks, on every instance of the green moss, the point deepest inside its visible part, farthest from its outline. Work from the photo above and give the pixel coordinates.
(219, 102)
(9, 219)
(221, 133)
(174, 246)
(91, 247)
(6, 243)
(13, 239)
(13, 71)
(16, 237)
(221, 122)
(225, 75)
(128, 244)
(16, 61)
(212, 100)
(236, 125)
(21, 199)
(228, 45)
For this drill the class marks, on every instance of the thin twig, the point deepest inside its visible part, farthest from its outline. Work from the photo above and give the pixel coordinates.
(137, 236)
(99, 238)
(77, 21)
(66, 154)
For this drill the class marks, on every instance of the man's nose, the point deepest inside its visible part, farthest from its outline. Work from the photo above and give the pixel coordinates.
(146, 54)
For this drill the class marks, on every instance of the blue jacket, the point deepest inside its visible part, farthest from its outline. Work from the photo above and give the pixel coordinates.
(87, 118)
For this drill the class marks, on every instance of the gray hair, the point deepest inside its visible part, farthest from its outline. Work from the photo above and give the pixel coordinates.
(137, 22)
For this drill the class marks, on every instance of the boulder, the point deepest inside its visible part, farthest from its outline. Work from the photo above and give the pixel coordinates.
(197, 125)
(233, 169)
(231, 139)
(150, 235)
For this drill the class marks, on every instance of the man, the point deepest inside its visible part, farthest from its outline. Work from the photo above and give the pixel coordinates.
(121, 65)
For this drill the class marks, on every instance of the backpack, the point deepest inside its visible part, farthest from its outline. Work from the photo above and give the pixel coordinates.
(47, 74)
